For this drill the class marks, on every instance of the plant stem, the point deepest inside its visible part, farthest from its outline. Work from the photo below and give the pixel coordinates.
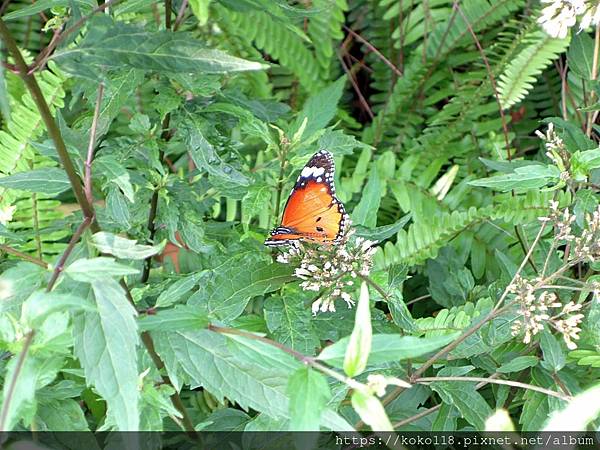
(51, 126)
(374, 285)
(530, 387)
(87, 182)
(13, 381)
(151, 226)
(23, 256)
(299, 356)
(180, 14)
(63, 259)
(45, 54)
(86, 207)
(490, 76)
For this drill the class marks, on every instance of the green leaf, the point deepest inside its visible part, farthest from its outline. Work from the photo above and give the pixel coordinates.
(255, 201)
(521, 72)
(319, 109)
(466, 399)
(93, 269)
(117, 207)
(23, 395)
(290, 323)
(554, 354)
(519, 363)
(177, 290)
(200, 10)
(116, 45)
(106, 345)
(42, 5)
(206, 158)
(41, 304)
(359, 343)
(250, 373)
(383, 232)
(309, 392)
(116, 174)
(226, 289)
(388, 347)
(49, 181)
(529, 177)
(180, 318)
(122, 247)
(579, 412)
(535, 411)
(365, 212)
(371, 411)
(581, 55)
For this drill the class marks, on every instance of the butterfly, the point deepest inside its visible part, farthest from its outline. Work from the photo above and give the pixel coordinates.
(312, 212)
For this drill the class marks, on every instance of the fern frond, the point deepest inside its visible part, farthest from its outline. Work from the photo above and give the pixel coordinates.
(520, 75)
(423, 240)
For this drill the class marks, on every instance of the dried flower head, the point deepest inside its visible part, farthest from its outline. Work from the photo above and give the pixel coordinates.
(331, 269)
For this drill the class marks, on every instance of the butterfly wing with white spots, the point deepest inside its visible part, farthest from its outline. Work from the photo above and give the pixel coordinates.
(312, 212)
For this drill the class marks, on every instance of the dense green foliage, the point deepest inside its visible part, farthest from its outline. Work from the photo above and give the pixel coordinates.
(135, 289)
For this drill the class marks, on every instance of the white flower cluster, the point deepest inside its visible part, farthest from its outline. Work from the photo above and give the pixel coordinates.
(561, 15)
(331, 268)
(585, 247)
(536, 308)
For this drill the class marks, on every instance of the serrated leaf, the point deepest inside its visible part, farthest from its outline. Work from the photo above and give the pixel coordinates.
(92, 269)
(42, 5)
(225, 290)
(122, 247)
(177, 290)
(320, 109)
(206, 158)
(49, 181)
(554, 354)
(466, 399)
(116, 45)
(309, 392)
(41, 304)
(106, 345)
(180, 318)
(529, 177)
(290, 323)
(519, 363)
(251, 373)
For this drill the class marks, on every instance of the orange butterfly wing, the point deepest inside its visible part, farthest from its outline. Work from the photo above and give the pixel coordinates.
(312, 211)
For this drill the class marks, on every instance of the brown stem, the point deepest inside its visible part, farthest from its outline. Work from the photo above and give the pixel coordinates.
(13, 381)
(45, 54)
(168, 14)
(490, 76)
(530, 387)
(151, 226)
(374, 50)
(63, 259)
(87, 181)
(175, 398)
(23, 256)
(180, 14)
(51, 126)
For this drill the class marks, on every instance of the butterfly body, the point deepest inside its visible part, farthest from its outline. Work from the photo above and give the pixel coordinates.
(312, 212)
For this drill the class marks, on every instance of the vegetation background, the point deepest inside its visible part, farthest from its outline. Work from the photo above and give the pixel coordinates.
(146, 148)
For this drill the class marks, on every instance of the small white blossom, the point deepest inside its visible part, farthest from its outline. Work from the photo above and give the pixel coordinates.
(560, 15)
(330, 269)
